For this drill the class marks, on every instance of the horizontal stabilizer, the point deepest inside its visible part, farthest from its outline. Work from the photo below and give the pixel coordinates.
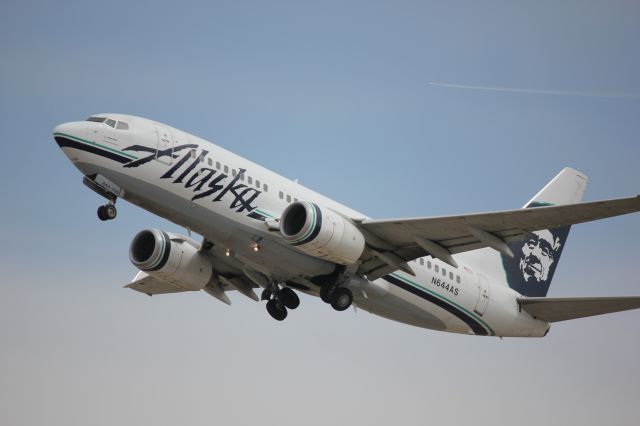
(566, 308)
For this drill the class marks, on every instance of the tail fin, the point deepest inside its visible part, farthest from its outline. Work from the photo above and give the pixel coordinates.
(536, 257)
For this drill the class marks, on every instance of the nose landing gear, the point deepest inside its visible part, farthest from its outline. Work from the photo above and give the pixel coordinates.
(107, 189)
(107, 212)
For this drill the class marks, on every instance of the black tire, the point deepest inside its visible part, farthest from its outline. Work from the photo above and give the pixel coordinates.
(266, 294)
(288, 297)
(102, 214)
(341, 299)
(276, 309)
(110, 211)
(325, 293)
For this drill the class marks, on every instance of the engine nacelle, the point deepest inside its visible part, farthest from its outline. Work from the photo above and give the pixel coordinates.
(321, 232)
(171, 258)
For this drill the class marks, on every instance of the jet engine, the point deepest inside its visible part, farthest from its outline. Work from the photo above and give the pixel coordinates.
(171, 258)
(322, 232)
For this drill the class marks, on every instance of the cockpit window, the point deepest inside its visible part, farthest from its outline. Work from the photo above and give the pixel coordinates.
(122, 125)
(110, 122)
(97, 119)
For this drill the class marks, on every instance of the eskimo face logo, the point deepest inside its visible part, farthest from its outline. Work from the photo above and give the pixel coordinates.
(203, 181)
(534, 260)
(539, 253)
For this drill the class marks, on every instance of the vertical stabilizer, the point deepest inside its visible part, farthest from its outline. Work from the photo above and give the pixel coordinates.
(536, 257)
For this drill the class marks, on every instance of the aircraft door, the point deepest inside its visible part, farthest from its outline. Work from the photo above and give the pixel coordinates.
(165, 144)
(483, 295)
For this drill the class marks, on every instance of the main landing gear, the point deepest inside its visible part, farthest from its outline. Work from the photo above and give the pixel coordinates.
(340, 298)
(279, 300)
(332, 288)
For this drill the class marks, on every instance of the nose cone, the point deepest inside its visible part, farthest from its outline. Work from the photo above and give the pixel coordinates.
(70, 134)
(72, 131)
(72, 138)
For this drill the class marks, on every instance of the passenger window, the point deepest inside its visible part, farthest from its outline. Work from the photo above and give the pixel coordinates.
(249, 180)
(421, 262)
(458, 279)
(444, 272)
(193, 153)
(257, 184)
(436, 268)
(226, 169)
(218, 165)
(288, 198)
(265, 187)
(210, 161)
(451, 275)
(233, 172)
(110, 122)
(122, 125)
(428, 264)
(295, 199)
(281, 195)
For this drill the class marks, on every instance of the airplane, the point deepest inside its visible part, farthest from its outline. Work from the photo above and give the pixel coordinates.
(484, 274)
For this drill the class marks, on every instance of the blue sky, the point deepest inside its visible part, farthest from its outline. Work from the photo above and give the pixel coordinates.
(340, 96)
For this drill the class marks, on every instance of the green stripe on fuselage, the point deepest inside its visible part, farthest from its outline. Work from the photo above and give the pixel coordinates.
(450, 302)
(84, 141)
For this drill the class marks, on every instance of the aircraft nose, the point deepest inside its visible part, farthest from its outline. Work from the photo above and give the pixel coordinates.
(68, 132)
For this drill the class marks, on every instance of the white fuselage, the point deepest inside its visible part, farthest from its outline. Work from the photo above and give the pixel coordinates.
(231, 201)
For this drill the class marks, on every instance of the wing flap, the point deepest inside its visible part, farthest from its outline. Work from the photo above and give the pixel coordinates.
(566, 308)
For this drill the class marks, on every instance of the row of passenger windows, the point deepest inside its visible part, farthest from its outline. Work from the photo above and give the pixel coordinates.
(288, 197)
(224, 168)
(120, 125)
(437, 269)
(250, 180)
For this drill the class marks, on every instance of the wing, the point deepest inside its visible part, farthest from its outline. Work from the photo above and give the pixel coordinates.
(566, 308)
(148, 285)
(401, 240)
(144, 283)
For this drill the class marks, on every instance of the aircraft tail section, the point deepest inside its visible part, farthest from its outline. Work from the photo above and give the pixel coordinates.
(536, 257)
(566, 308)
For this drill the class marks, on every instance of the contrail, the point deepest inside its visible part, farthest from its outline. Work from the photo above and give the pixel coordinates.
(615, 95)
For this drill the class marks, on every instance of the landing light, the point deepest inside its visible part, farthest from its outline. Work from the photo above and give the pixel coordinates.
(227, 252)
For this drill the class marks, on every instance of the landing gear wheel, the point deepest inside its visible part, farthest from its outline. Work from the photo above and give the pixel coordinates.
(325, 293)
(276, 309)
(266, 294)
(341, 299)
(107, 212)
(288, 297)
(102, 214)
(110, 211)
